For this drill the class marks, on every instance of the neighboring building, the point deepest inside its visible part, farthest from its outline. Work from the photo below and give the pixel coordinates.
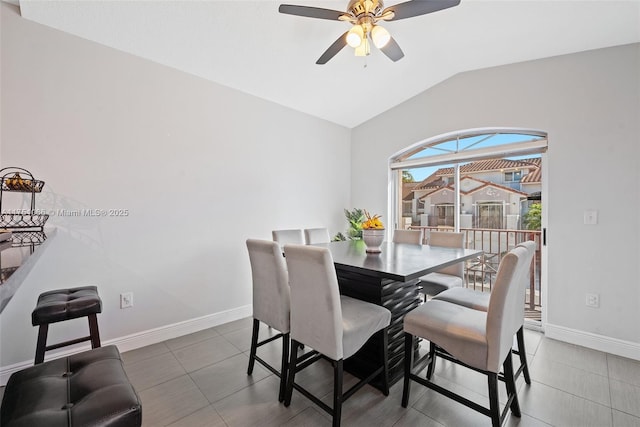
(494, 194)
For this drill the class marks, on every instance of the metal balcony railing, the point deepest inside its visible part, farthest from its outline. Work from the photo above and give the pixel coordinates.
(495, 243)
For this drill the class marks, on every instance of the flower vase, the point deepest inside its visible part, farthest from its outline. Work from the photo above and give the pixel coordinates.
(373, 238)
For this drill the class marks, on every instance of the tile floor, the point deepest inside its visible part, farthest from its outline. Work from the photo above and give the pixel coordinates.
(200, 380)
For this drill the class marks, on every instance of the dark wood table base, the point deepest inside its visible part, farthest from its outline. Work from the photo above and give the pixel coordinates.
(397, 296)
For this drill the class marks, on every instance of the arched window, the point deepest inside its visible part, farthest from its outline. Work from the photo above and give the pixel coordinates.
(487, 159)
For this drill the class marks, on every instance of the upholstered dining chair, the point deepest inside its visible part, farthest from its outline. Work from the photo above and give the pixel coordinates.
(271, 303)
(479, 340)
(316, 235)
(333, 326)
(413, 237)
(479, 300)
(283, 237)
(448, 277)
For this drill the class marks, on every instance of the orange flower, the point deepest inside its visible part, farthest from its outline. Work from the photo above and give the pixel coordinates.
(372, 222)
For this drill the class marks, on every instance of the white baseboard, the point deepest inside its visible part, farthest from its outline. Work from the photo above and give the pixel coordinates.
(144, 338)
(603, 343)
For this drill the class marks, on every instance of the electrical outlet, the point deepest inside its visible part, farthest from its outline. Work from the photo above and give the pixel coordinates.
(126, 300)
(593, 300)
(591, 217)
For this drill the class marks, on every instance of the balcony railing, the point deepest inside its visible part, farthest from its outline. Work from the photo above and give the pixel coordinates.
(480, 274)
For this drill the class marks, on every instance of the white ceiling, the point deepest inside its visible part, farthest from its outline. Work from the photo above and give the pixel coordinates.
(249, 46)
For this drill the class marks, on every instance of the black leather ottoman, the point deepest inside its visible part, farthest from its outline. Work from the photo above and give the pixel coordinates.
(85, 389)
(65, 304)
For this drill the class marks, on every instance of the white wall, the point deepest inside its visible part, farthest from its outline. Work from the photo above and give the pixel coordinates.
(200, 168)
(589, 103)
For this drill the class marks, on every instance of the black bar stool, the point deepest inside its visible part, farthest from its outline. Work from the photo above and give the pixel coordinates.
(65, 304)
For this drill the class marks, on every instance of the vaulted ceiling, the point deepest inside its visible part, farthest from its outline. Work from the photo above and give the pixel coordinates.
(249, 46)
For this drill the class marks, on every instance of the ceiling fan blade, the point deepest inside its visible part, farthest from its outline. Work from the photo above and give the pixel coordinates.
(419, 7)
(310, 12)
(392, 50)
(333, 49)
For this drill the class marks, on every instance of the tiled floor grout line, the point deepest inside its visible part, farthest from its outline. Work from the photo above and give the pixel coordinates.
(572, 394)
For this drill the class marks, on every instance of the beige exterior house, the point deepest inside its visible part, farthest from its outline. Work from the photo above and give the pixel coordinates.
(494, 194)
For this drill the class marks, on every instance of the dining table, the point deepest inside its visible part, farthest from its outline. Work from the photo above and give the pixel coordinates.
(18, 255)
(390, 278)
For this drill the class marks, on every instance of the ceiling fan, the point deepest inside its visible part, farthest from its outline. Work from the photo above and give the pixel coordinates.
(364, 15)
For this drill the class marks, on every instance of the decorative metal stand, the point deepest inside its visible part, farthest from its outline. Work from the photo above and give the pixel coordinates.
(14, 179)
(26, 226)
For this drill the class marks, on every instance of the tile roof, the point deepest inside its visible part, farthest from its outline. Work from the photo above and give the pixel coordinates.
(407, 188)
(491, 165)
(533, 164)
(432, 185)
(534, 175)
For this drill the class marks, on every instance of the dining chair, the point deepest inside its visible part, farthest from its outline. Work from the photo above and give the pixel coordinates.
(479, 300)
(479, 340)
(448, 277)
(316, 235)
(284, 237)
(413, 237)
(333, 326)
(271, 303)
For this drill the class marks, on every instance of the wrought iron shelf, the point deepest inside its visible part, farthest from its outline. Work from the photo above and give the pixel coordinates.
(22, 185)
(22, 221)
(14, 179)
(19, 179)
(27, 238)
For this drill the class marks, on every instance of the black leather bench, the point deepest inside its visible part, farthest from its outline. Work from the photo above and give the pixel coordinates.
(85, 389)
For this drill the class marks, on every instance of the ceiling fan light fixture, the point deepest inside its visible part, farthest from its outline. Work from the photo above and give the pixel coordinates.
(364, 49)
(355, 36)
(380, 36)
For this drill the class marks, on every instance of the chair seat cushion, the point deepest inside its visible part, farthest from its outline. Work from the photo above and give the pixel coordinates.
(434, 283)
(466, 297)
(64, 304)
(360, 321)
(85, 389)
(459, 330)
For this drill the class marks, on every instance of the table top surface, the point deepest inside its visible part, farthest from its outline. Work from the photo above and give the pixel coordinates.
(17, 256)
(397, 261)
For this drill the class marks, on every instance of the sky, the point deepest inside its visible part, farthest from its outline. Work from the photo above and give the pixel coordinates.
(478, 141)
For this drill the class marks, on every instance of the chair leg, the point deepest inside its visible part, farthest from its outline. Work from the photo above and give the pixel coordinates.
(494, 406)
(511, 386)
(408, 361)
(337, 392)
(293, 363)
(254, 346)
(94, 332)
(432, 360)
(523, 355)
(41, 346)
(385, 361)
(284, 366)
